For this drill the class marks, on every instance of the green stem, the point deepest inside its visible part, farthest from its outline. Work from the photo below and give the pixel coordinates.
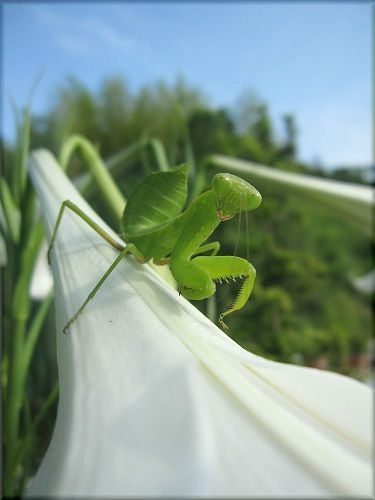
(117, 162)
(159, 153)
(120, 162)
(14, 403)
(211, 312)
(103, 179)
(24, 447)
(200, 180)
(34, 332)
(28, 430)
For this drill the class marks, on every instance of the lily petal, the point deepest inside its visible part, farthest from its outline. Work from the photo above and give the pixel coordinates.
(41, 280)
(156, 400)
(353, 202)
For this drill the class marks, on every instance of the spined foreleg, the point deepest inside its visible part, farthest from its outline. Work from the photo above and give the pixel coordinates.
(224, 268)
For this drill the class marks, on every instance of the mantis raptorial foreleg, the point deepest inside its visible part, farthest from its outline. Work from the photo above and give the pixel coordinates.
(222, 268)
(193, 281)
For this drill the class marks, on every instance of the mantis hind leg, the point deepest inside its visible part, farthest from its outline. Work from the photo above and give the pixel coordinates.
(129, 249)
(219, 268)
(74, 208)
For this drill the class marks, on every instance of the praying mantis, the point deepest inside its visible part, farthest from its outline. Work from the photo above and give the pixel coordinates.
(155, 228)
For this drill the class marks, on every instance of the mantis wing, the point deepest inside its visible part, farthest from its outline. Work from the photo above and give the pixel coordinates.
(153, 206)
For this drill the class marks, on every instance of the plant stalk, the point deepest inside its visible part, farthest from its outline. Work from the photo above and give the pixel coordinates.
(103, 179)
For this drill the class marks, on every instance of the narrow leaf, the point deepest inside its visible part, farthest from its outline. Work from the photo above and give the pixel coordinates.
(10, 211)
(159, 152)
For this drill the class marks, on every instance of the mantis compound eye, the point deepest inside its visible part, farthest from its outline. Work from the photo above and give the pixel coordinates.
(234, 195)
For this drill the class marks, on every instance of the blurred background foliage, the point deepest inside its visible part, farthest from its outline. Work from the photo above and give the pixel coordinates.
(304, 308)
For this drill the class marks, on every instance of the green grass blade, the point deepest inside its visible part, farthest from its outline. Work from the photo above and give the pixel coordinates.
(21, 299)
(118, 162)
(11, 213)
(34, 331)
(25, 444)
(25, 149)
(159, 153)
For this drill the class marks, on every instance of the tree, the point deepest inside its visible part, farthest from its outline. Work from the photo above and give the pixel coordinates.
(288, 150)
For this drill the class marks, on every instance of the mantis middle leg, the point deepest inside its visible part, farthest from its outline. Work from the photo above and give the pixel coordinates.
(213, 247)
(129, 249)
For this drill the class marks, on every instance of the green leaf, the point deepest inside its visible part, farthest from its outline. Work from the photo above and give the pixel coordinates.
(3, 251)
(21, 298)
(25, 147)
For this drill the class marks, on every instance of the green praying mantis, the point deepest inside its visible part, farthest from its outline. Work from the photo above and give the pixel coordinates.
(155, 227)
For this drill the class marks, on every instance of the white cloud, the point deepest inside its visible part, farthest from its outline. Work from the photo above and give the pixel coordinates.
(74, 45)
(107, 33)
(81, 36)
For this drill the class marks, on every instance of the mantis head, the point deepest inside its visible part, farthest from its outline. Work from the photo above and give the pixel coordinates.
(234, 195)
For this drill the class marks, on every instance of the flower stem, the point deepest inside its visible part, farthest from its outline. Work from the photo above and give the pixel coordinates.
(102, 177)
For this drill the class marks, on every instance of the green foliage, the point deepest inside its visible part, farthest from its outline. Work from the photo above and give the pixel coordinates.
(22, 233)
(210, 131)
(289, 148)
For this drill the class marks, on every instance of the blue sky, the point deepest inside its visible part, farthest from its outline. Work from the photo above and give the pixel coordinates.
(313, 60)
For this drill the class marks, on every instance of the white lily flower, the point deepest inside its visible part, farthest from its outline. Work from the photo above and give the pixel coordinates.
(156, 400)
(351, 201)
(41, 280)
(366, 283)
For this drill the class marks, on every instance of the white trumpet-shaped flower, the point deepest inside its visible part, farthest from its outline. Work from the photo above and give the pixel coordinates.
(353, 202)
(156, 400)
(41, 280)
